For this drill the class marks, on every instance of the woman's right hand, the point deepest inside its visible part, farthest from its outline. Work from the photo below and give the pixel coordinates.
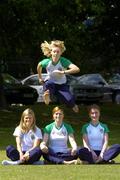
(44, 148)
(41, 81)
(22, 156)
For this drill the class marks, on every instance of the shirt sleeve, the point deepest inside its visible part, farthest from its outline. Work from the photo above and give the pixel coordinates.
(38, 133)
(48, 128)
(44, 63)
(17, 132)
(84, 129)
(69, 128)
(65, 62)
(106, 129)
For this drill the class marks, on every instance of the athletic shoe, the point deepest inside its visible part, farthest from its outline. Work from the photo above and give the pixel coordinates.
(46, 97)
(70, 162)
(7, 162)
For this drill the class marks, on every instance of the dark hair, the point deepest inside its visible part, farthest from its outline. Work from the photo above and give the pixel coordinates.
(93, 106)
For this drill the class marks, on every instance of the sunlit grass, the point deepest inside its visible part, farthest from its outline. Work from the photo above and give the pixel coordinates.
(110, 114)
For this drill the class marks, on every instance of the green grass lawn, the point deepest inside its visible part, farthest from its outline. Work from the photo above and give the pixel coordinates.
(110, 114)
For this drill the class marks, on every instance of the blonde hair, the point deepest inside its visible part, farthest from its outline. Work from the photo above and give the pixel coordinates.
(22, 125)
(57, 108)
(47, 47)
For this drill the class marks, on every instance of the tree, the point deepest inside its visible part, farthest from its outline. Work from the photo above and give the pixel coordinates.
(3, 102)
(85, 26)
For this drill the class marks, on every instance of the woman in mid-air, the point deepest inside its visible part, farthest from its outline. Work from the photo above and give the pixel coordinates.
(57, 68)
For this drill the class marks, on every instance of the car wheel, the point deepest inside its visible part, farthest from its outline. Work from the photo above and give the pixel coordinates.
(117, 99)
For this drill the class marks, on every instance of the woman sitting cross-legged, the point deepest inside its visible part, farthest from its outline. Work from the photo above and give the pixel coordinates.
(95, 138)
(54, 146)
(28, 137)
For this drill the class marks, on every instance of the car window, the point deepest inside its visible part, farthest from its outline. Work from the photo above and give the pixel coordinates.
(91, 79)
(8, 79)
(71, 80)
(32, 81)
(115, 78)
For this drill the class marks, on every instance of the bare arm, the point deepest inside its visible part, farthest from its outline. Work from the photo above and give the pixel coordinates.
(72, 69)
(73, 144)
(105, 144)
(86, 142)
(35, 144)
(19, 148)
(43, 145)
(87, 145)
(39, 70)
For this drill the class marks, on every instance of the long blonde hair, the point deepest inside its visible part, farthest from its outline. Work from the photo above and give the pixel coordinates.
(47, 47)
(22, 125)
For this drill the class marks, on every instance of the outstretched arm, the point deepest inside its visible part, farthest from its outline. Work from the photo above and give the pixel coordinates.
(72, 69)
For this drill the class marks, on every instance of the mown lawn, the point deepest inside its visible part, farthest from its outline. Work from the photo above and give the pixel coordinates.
(110, 114)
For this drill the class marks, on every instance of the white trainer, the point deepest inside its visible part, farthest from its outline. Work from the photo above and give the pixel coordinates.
(8, 162)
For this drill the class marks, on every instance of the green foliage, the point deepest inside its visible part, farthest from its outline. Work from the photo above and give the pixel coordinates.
(89, 28)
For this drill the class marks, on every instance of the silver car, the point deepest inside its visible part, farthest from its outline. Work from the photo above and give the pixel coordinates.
(33, 82)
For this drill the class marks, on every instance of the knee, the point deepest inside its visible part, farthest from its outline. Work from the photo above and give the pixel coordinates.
(38, 151)
(49, 83)
(10, 148)
(117, 146)
(82, 150)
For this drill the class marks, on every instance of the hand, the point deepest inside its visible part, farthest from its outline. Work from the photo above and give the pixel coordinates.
(73, 152)
(99, 159)
(44, 148)
(94, 155)
(26, 156)
(22, 156)
(59, 72)
(41, 81)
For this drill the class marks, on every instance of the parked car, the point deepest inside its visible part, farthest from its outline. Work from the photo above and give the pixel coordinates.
(81, 92)
(85, 92)
(111, 92)
(16, 92)
(114, 79)
(33, 82)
